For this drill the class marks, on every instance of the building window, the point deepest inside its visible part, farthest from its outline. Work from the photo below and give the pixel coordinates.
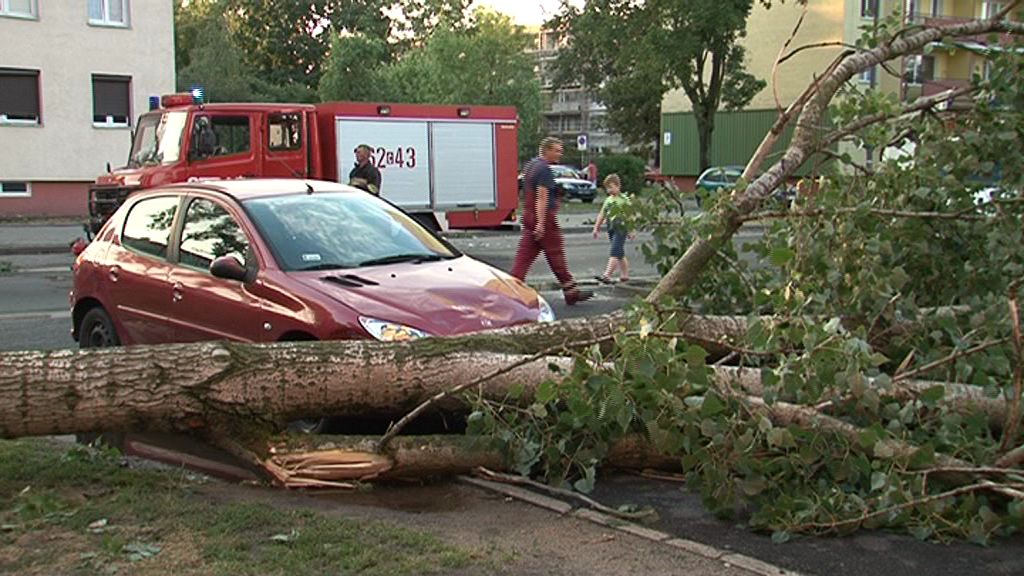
(110, 100)
(18, 8)
(108, 12)
(868, 8)
(15, 189)
(19, 96)
(920, 69)
(869, 76)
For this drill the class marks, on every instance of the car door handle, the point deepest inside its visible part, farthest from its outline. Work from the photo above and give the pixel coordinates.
(177, 292)
(114, 273)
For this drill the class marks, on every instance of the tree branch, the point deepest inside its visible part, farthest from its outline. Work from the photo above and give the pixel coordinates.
(835, 526)
(951, 358)
(1013, 417)
(818, 212)
(917, 106)
(779, 60)
(814, 45)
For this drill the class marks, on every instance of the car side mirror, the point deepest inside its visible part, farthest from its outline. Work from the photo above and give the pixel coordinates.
(229, 268)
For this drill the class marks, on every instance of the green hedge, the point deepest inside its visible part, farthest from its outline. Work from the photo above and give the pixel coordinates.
(629, 168)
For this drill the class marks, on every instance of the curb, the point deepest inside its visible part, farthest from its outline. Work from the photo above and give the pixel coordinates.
(727, 557)
(637, 284)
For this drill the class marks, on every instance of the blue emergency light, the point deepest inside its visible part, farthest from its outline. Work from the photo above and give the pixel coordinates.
(198, 94)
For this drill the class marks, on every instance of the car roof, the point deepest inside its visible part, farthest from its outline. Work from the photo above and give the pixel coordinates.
(247, 188)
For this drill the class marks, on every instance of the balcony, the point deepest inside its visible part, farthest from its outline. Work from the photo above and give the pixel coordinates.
(939, 85)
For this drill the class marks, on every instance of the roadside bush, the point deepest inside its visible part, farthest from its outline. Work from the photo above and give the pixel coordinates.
(629, 168)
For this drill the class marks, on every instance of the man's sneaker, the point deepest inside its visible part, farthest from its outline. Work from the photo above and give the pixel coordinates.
(576, 296)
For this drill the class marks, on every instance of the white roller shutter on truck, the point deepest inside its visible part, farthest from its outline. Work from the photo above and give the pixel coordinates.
(400, 151)
(463, 162)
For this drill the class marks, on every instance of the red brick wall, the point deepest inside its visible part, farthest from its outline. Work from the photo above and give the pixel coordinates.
(49, 199)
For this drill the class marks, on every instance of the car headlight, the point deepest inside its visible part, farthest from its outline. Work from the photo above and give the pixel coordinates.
(390, 331)
(546, 313)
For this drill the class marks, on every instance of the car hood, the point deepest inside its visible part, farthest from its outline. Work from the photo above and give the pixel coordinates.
(442, 298)
(574, 181)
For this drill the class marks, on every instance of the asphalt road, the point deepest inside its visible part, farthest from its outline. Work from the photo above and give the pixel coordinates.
(34, 297)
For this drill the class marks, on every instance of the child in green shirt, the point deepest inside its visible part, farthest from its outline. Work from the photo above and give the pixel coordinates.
(614, 211)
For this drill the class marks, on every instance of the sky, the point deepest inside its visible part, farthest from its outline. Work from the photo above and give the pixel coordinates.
(524, 12)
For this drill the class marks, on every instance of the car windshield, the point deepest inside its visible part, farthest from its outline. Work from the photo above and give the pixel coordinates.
(157, 140)
(564, 172)
(333, 230)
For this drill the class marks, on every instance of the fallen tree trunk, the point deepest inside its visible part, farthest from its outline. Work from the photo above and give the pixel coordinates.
(190, 387)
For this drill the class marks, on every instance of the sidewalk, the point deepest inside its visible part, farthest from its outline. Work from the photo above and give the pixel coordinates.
(42, 238)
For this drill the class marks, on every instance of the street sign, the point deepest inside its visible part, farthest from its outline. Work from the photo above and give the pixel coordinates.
(581, 142)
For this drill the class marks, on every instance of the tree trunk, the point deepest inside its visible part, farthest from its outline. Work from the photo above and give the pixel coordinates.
(705, 128)
(187, 387)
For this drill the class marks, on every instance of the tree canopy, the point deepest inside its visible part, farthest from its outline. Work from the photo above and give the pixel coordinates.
(632, 53)
(483, 63)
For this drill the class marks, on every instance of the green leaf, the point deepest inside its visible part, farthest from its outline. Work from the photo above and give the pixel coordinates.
(753, 486)
(586, 484)
(922, 533)
(932, 395)
(884, 450)
(696, 356)
(781, 537)
(546, 392)
(878, 480)
(781, 256)
(712, 406)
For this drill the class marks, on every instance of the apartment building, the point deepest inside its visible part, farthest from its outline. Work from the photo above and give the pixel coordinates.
(738, 133)
(570, 111)
(74, 74)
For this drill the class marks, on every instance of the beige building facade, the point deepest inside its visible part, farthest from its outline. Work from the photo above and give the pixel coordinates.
(74, 75)
(767, 33)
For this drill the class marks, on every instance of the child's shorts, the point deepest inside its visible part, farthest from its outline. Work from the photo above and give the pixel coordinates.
(617, 236)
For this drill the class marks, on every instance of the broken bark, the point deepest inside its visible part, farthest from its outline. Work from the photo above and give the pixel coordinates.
(342, 461)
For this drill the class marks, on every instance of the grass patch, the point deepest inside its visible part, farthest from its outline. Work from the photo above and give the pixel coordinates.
(67, 509)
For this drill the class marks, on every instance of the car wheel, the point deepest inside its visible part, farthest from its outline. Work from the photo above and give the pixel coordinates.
(97, 330)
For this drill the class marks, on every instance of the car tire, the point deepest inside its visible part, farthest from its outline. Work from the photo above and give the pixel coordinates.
(97, 330)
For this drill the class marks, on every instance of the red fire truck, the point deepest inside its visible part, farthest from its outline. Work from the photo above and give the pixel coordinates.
(455, 162)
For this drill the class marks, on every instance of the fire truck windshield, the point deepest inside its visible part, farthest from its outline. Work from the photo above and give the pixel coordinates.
(158, 139)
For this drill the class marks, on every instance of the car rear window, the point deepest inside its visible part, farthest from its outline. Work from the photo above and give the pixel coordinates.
(338, 230)
(147, 228)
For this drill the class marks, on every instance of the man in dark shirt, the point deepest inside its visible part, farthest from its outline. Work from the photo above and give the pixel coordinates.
(365, 175)
(540, 223)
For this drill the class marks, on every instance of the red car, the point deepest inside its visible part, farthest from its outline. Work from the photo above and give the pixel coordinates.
(278, 259)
